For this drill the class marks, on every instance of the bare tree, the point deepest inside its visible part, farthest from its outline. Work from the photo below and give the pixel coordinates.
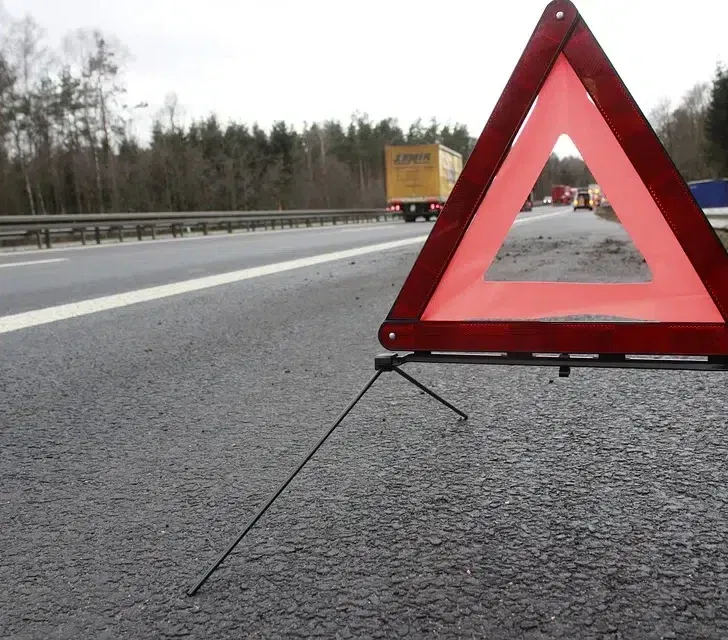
(98, 60)
(661, 119)
(25, 56)
(172, 111)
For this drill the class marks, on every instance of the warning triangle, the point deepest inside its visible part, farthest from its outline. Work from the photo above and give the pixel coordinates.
(676, 292)
(564, 84)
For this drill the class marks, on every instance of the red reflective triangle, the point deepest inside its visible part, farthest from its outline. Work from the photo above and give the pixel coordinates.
(445, 303)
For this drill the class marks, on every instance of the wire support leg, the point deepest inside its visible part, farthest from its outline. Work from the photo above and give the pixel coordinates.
(430, 392)
(280, 489)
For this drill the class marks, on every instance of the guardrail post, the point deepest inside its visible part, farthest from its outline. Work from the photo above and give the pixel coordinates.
(230, 227)
(121, 234)
(38, 239)
(97, 235)
(139, 232)
(204, 228)
(321, 222)
(47, 233)
(174, 230)
(83, 235)
(153, 229)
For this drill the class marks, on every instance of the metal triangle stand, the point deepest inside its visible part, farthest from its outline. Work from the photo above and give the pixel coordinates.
(382, 363)
(393, 362)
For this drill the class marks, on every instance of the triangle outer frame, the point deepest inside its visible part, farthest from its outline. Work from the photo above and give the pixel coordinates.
(572, 37)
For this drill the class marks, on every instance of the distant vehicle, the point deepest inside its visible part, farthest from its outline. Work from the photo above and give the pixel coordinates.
(583, 200)
(528, 205)
(560, 194)
(547, 200)
(710, 193)
(419, 178)
(595, 192)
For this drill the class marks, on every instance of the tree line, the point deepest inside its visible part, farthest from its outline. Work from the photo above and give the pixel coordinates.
(67, 143)
(695, 131)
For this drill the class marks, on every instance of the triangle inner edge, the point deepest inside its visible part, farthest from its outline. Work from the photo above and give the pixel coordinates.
(675, 292)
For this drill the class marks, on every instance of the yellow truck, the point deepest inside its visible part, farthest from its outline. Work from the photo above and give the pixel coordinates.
(419, 178)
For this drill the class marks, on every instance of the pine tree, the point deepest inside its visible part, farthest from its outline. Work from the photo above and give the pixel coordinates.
(716, 124)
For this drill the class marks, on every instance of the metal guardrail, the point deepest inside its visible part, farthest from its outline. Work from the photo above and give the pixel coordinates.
(45, 227)
(717, 217)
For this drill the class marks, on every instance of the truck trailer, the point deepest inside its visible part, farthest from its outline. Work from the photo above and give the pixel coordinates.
(710, 193)
(419, 178)
(560, 194)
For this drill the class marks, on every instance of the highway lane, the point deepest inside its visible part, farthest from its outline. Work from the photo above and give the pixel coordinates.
(34, 280)
(136, 442)
(88, 273)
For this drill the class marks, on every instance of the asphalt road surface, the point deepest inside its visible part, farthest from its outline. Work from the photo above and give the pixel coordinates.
(137, 440)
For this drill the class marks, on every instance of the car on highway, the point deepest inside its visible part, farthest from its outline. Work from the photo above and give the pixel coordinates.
(528, 205)
(583, 200)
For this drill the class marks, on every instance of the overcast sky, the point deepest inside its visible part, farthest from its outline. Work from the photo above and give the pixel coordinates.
(268, 60)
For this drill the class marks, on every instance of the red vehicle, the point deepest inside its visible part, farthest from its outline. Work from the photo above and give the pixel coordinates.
(560, 194)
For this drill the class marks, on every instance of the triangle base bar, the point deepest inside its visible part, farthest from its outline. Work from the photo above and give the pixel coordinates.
(382, 364)
(647, 338)
(565, 361)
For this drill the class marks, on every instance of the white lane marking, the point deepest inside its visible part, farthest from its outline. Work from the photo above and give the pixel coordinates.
(214, 235)
(28, 319)
(26, 263)
(369, 227)
(540, 217)
(66, 311)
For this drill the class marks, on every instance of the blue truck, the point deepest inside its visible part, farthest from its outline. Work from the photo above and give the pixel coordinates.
(710, 193)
